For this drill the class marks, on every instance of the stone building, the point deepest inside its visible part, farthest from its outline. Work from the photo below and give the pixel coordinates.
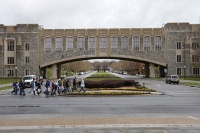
(30, 49)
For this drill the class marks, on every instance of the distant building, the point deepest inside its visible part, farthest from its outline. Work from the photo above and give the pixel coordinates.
(29, 49)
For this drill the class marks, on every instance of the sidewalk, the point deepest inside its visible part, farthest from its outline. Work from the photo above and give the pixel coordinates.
(55, 121)
(5, 85)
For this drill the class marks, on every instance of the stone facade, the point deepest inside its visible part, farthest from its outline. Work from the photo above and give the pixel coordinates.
(31, 57)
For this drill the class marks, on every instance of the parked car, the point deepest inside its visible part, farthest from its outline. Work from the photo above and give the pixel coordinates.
(80, 73)
(28, 79)
(172, 79)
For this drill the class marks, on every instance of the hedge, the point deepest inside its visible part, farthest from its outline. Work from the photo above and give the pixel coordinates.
(109, 83)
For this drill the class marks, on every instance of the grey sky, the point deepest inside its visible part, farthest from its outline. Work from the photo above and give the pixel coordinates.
(64, 14)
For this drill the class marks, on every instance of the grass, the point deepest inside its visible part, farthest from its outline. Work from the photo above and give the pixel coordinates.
(191, 78)
(8, 80)
(5, 88)
(101, 75)
(109, 93)
(190, 84)
(99, 79)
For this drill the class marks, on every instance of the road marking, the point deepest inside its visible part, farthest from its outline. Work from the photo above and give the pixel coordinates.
(158, 85)
(194, 118)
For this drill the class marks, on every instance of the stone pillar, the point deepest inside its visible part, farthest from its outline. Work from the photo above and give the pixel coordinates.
(43, 72)
(146, 69)
(58, 70)
(161, 71)
(54, 71)
(152, 70)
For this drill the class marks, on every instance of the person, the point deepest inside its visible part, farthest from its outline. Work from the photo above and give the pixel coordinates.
(60, 85)
(22, 88)
(47, 85)
(39, 89)
(82, 86)
(32, 87)
(55, 87)
(15, 87)
(74, 85)
(68, 85)
(64, 86)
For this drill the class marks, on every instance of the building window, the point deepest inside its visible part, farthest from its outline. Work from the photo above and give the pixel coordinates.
(91, 43)
(178, 45)
(147, 43)
(27, 60)
(10, 73)
(178, 58)
(47, 44)
(11, 46)
(136, 43)
(10, 60)
(27, 47)
(69, 44)
(27, 72)
(114, 43)
(178, 71)
(195, 46)
(102, 43)
(81, 43)
(158, 43)
(195, 71)
(124, 43)
(195, 58)
(59, 45)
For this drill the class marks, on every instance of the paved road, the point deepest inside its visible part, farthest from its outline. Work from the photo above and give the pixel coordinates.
(179, 102)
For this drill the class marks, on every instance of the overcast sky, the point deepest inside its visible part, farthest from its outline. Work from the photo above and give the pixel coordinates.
(64, 14)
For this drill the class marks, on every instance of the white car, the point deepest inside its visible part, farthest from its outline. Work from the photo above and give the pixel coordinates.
(172, 79)
(28, 79)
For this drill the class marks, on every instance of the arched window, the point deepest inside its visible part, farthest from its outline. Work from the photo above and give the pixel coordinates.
(69, 44)
(147, 43)
(47, 44)
(114, 43)
(59, 44)
(124, 43)
(91, 43)
(102, 43)
(81, 43)
(158, 43)
(136, 43)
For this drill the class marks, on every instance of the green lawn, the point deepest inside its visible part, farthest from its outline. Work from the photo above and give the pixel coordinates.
(191, 78)
(5, 88)
(102, 76)
(190, 84)
(8, 80)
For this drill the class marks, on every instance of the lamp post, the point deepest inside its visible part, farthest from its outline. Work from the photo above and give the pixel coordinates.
(16, 73)
(184, 71)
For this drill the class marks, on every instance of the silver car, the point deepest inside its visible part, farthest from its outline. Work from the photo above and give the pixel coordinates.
(172, 79)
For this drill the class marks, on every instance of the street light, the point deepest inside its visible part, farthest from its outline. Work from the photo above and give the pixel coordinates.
(184, 71)
(16, 73)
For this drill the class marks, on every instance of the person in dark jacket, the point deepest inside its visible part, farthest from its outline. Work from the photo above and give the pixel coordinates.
(47, 85)
(74, 85)
(22, 88)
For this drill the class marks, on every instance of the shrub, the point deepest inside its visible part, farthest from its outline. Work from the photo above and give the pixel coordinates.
(109, 83)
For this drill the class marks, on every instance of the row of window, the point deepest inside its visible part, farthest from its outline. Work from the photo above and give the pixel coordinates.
(11, 60)
(11, 46)
(194, 46)
(102, 43)
(195, 71)
(195, 58)
(11, 72)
